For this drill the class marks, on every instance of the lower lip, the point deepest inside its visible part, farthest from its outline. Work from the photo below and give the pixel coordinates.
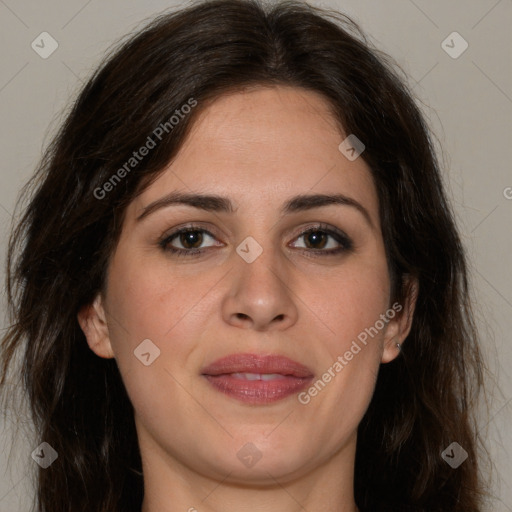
(258, 391)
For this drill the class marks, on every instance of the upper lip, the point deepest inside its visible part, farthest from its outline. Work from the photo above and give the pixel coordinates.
(254, 363)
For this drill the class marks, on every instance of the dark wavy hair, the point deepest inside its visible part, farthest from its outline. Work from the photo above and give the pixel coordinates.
(60, 247)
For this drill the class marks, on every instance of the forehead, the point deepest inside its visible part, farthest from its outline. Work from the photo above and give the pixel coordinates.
(261, 146)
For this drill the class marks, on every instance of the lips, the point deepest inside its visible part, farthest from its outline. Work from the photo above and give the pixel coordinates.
(257, 379)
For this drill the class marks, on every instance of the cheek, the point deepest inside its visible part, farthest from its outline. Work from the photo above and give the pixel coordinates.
(148, 299)
(351, 301)
(350, 304)
(155, 316)
(350, 355)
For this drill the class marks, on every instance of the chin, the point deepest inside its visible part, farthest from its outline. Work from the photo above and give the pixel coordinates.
(257, 462)
(266, 470)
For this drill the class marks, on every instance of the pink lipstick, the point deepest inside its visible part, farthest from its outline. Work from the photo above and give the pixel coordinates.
(257, 379)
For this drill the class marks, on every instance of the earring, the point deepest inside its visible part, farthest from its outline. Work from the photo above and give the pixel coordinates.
(399, 347)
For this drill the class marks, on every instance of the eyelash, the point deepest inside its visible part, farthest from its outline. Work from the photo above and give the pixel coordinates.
(340, 237)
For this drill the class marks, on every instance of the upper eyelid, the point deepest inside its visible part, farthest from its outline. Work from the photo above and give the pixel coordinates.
(331, 231)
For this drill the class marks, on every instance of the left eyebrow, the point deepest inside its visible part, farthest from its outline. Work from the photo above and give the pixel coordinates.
(216, 203)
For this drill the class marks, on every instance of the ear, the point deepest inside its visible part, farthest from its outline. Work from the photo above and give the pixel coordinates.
(399, 326)
(93, 321)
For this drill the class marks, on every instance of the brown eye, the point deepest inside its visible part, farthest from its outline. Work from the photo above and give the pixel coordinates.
(324, 241)
(191, 239)
(316, 239)
(186, 241)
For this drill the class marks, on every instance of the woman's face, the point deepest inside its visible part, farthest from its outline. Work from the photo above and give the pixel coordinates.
(258, 288)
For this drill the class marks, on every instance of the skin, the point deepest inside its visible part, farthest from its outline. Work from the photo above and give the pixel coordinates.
(258, 148)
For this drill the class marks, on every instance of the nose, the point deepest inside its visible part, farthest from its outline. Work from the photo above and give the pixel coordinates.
(260, 295)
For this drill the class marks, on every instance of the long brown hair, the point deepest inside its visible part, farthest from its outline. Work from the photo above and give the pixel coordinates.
(59, 250)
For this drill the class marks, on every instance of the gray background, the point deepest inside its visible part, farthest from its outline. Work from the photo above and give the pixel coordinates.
(468, 101)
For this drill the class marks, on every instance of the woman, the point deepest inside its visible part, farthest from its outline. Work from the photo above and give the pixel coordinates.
(238, 283)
